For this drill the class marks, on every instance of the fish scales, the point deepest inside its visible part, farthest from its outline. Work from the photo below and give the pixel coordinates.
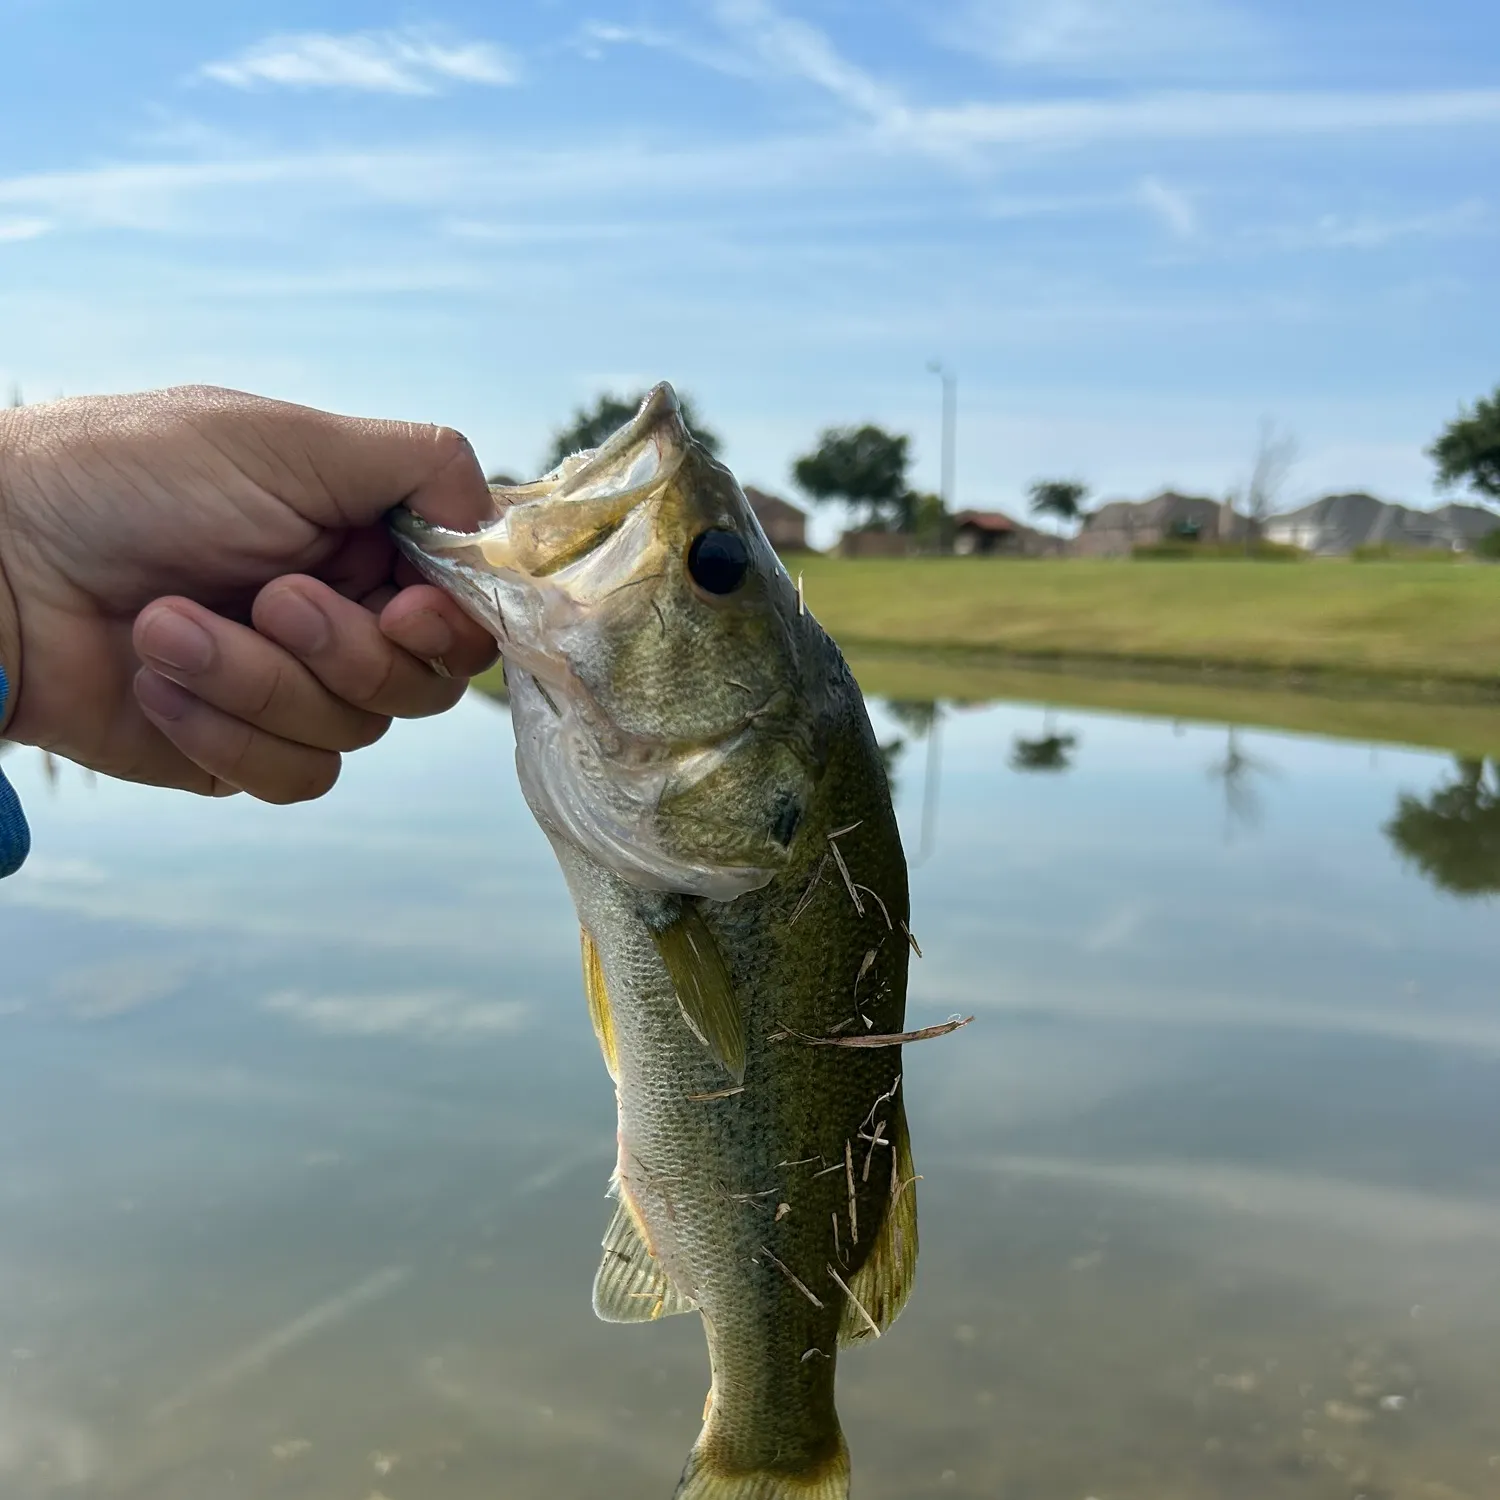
(742, 1165)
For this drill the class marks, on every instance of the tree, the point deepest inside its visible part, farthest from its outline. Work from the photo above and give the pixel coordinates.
(1274, 458)
(1062, 498)
(866, 468)
(1468, 450)
(593, 425)
(1453, 836)
(931, 523)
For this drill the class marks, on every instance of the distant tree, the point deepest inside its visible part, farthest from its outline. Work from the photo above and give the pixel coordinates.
(931, 522)
(15, 397)
(1275, 457)
(1453, 836)
(1468, 450)
(1060, 498)
(864, 466)
(592, 425)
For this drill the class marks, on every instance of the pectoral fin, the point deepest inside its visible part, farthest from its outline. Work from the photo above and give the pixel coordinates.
(704, 989)
(630, 1286)
(598, 998)
(884, 1282)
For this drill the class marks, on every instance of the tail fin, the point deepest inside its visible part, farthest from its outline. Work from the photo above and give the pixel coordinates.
(704, 1480)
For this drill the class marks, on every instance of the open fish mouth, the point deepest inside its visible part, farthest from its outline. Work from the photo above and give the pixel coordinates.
(543, 527)
(567, 577)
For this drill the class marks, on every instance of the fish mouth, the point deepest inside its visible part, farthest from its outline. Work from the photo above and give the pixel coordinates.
(542, 527)
(549, 577)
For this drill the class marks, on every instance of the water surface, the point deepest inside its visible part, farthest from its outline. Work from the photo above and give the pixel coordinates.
(304, 1135)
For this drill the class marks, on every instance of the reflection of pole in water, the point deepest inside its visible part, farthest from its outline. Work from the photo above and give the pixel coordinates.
(930, 788)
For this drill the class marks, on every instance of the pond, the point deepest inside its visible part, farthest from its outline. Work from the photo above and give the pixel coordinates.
(304, 1134)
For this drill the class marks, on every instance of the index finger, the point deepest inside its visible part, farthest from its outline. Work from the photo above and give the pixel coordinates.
(345, 472)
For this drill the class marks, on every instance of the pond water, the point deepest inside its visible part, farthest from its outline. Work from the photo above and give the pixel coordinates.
(304, 1135)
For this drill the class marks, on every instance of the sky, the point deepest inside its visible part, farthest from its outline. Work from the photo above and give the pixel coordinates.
(1135, 230)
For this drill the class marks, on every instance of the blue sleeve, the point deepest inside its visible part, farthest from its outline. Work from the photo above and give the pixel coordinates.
(15, 837)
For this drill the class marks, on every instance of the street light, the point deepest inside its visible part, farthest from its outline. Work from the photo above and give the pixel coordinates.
(934, 732)
(950, 404)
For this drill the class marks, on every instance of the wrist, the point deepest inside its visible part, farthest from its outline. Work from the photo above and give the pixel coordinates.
(10, 608)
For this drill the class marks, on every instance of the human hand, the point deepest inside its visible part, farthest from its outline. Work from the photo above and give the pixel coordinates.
(235, 547)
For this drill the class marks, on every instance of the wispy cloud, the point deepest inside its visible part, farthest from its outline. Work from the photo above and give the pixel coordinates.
(792, 49)
(382, 62)
(13, 231)
(1372, 232)
(1203, 116)
(594, 39)
(429, 1014)
(1171, 205)
(1102, 37)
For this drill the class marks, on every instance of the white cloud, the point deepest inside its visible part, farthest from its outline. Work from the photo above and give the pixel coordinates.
(1171, 205)
(1202, 116)
(381, 62)
(1101, 37)
(13, 231)
(790, 48)
(430, 1014)
(1370, 232)
(594, 38)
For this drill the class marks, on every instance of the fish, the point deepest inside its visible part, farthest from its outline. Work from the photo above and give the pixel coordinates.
(697, 752)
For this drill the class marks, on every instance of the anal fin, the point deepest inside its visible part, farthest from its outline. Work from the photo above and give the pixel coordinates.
(630, 1286)
(704, 989)
(884, 1282)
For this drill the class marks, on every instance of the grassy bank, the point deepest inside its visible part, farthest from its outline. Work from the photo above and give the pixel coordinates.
(1409, 623)
(1430, 721)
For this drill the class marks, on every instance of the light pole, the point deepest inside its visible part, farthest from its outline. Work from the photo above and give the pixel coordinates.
(950, 415)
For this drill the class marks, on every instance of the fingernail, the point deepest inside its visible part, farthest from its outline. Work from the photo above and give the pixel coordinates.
(160, 697)
(428, 634)
(177, 642)
(299, 624)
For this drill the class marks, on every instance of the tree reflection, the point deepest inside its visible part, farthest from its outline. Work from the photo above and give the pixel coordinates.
(1049, 751)
(1453, 836)
(1237, 772)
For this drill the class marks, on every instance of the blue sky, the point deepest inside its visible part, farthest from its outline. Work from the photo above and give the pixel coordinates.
(1134, 228)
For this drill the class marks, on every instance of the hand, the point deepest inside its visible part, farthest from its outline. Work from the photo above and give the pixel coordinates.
(197, 590)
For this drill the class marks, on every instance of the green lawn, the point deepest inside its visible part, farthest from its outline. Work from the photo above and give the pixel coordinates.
(1418, 622)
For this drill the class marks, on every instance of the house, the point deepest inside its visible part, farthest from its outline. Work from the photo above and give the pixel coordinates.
(784, 524)
(1116, 529)
(1335, 525)
(877, 544)
(992, 533)
(980, 532)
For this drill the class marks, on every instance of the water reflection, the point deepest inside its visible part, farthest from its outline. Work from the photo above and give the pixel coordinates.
(1453, 835)
(304, 1137)
(1236, 772)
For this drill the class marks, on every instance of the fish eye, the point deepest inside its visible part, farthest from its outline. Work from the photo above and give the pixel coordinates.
(719, 561)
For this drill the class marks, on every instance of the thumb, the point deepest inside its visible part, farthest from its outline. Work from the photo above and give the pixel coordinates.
(347, 472)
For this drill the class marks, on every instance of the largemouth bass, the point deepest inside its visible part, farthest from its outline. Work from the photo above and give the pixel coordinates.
(699, 756)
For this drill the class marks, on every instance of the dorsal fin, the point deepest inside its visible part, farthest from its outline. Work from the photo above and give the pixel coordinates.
(704, 989)
(630, 1286)
(884, 1282)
